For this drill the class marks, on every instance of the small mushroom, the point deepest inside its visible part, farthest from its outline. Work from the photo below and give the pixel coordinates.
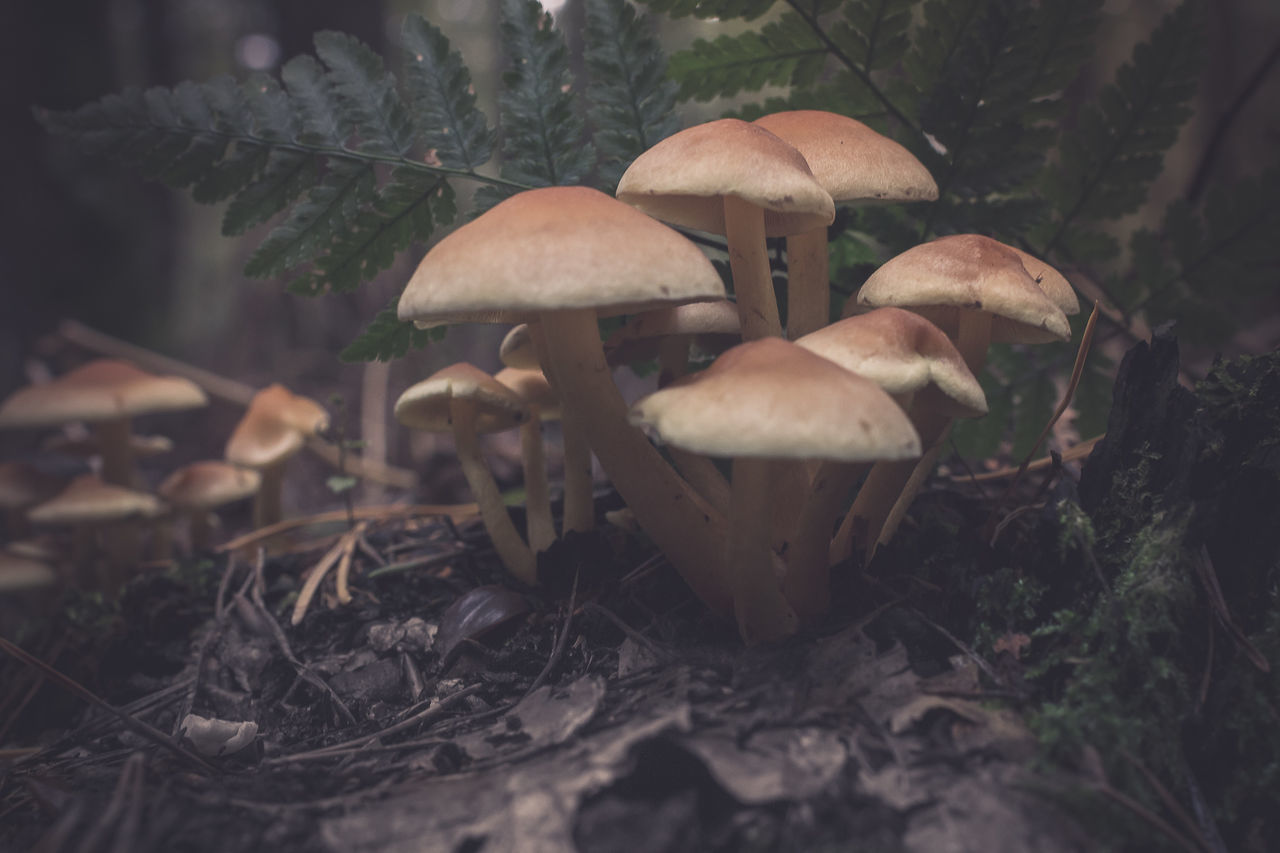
(532, 387)
(196, 490)
(464, 400)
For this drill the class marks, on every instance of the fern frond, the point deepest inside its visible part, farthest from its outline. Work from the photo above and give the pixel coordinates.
(407, 208)
(873, 33)
(388, 337)
(723, 10)
(632, 101)
(542, 132)
(313, 222)
(438, 84)
(1117, 146)
(367, 94)
(785, 52)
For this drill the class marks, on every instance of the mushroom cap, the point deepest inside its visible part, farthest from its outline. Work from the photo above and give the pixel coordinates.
(275, 427)
(209, 484)
(685, 177)
(23, 485)
(1053, 283)
(88, 499)
(556, 248)
(532, 386)
(639, 338)
(851, 160)
(100, 390)
(517, 349)
(940, 278)
(18, 572)
(771, 399)
(903, 353)
(425, 406)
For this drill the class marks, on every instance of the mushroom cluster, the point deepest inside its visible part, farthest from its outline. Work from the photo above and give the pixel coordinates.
(803, 413)
(105, 516)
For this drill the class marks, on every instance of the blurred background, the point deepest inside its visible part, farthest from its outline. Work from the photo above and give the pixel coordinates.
(80, 239)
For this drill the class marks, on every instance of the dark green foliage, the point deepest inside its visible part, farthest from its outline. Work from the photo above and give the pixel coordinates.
(542, 133)
(444, 106)
(786, 52)
(388, 338)
(632, 101)
(723, 10)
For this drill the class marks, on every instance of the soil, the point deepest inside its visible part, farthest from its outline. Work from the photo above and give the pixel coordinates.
(445, 709)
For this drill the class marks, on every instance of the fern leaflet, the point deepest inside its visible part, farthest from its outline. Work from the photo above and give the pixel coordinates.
(439, 86)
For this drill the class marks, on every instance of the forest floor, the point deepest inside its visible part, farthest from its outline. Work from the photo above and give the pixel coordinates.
(1092, 672)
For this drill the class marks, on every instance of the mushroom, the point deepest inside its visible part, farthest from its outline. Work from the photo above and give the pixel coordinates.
(978, 291)
(733, 178)
(919, 367)
(108, 394)
(23, 486)
(517, 350)
(668, 333)
(558, 257)
(91, 507)
(273, 430)
(531, 386)
(464, 400)
(196, 490)
(853, 163)
(758, 403)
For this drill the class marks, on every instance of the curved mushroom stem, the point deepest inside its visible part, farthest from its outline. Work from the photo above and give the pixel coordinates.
(758, 602)
(808, 283)
(703, 475)
(511, 549)
(685, 527)
(749, 262)
(117, 451)
(808, 580)
(579, 496)
(539, 527)
(886, 485)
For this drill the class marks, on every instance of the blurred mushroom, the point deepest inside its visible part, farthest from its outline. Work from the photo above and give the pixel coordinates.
(196, 490)
(273, 430)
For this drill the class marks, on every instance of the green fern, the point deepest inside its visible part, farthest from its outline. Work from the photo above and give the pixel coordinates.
(723, 10)
(388, 338)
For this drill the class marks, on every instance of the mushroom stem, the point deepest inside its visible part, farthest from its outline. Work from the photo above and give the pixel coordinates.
(703, 475)
(886, 484)
(579, 498)
(973, 339)
(511, 549)
(199, 529)
(684, 526)
(808, 283)
(673, 358)
(808, 579)
(268, 503)
(758, 602)
(539, 526)
(749, 262)
(117, 451)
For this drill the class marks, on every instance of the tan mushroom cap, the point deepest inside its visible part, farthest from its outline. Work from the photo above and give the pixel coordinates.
(23, 485)
(851, 160)
(425, 406)
(940, 278)
(531, 385)
(517, 349)
(556, 248)
(685, 177)
(772, 399)
(208, 484)
(100, 390)
(18, 572)
(903, 353)
(1053, 283)
(87, 500)
(703, 321)
(275, 427)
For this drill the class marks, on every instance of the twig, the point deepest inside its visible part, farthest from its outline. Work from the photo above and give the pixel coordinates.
(1075, 451)
(1170, 802)
(337, 750)
(378, 513)
(277, 633)
(963, 647)
(1086, 341)
(224, 389)
(558, 650)
(636, 636)
(152, 734)
(1209, 579)
(1251, 86)
(342, 580)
